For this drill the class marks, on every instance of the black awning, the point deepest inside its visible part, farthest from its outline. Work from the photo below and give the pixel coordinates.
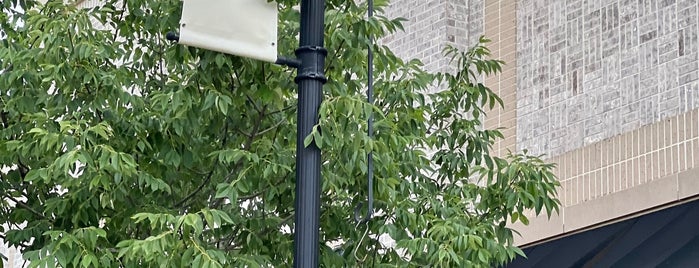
(666, 238)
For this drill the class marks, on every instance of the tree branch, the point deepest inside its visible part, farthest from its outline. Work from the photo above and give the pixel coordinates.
(262, 191)
(332, 59)
(201, 186)
(271, 128)
(243, 133)
(208, 177)
(121, 17)
(235, 79)
(247, 147)
(282, 110)
(284, 220)
(254, 104)
(25, 206)
(23, 169)
(255, 128)
(230, 245)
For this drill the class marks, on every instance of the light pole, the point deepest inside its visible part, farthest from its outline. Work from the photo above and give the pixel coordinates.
(310, 79)
(200, 27)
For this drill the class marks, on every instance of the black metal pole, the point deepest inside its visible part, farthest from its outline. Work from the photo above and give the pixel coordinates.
(310, 79)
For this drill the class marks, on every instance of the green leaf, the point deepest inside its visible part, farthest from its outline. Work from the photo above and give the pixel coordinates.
(518, 251)
(37, 131)
(523, 219)
(308, 140)
(515, 216)
(86, 261)
(318, 139)
(227, 191)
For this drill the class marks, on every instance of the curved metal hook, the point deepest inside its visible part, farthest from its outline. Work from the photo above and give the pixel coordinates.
(356, 247)
(358, 217)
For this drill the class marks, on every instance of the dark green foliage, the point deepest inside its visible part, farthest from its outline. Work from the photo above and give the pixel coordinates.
(125, 150)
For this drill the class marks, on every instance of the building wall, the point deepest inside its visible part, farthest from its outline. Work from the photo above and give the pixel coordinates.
(431, 25)
(501, 27)
(606, 89)
(596, 69)
(14, 257)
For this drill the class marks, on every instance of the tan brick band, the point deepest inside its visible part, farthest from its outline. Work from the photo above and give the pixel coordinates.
(501, 28)
(630, 174)
(630, 159)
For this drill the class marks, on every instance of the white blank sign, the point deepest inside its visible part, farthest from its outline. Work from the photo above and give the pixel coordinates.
(246, 28)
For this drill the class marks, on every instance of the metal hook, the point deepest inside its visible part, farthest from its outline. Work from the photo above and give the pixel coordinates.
(356, 247)
(358, 217)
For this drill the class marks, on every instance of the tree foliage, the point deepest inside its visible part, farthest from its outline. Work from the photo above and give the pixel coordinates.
(121, 149)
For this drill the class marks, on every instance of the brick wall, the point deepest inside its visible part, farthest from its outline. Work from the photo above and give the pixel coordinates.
(609, 91)
(431, 25)
(637, 157)
(634, 173)
(590, 70)
(14, 257)
(501, 28)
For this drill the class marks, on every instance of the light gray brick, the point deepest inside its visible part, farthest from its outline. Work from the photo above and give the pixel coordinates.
(433, 24)
(628, 11)
(610, 17)
(616, 64)
(687, 97)
(647, 7)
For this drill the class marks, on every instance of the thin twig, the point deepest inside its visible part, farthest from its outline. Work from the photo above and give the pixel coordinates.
(121, 17)
(201, 186)
(271, 128)
(282, 110)
(21, 204)
(246, 147)
(332, 59)
(237, 78)
(284, 220)
(254, 104)
(208, 177)
(263, 190)
(243, 133)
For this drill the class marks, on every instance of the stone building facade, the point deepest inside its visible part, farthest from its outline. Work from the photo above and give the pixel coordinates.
(606, 89)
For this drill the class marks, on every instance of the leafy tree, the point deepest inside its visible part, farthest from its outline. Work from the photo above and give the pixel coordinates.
(123, 150)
